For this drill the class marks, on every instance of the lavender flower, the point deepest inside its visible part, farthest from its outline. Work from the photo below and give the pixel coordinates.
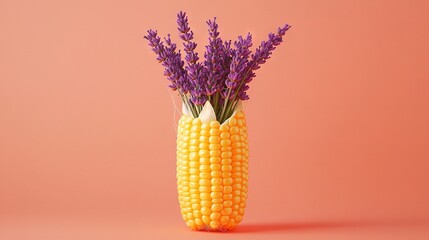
(261, 55)
(169, 58)
(195, 74)
(263, 52)
(238, 67)
(216, 56)
(174, 66)
(225, 72)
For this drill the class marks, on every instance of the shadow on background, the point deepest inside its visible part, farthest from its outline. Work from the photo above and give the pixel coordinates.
(280, 227)
(304, 226)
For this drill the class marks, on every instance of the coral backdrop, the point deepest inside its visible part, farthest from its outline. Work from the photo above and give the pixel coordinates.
(338, 119)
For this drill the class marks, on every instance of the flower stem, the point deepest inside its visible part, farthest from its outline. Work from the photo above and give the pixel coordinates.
(186, 101)
(224, 105)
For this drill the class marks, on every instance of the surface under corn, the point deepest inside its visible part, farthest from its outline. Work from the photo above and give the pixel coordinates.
(212, 172)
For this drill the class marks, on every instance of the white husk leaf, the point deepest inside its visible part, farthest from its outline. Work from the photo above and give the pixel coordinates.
(207, 114)
(185, 110)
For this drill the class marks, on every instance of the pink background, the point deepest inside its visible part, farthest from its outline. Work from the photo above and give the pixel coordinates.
(338, 120)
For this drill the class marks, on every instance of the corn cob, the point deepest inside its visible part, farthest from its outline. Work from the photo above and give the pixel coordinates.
(212, 172)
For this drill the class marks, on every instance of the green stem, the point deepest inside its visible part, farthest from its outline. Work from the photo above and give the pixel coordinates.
(188, 103)
(224, 105)
(216, 105)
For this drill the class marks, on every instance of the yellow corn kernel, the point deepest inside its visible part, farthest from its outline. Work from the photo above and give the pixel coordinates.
(232, 122)
(194, 178)
(226, 189)
(226, 161)
(239, 115)
(205, 132)
(241, 211)
(194, 164)
(227, 204)
(227, 197)
(225, 143)
(204, 153)
(224, 128)
(206, 211)
(193, 185)
(190, 224)
(198, 221)
(206, 219)
(196, 122)
(193, 156)
(205, 168)
(215, 153)
(190, 216)
(216, 207)
(215, 195)
(214, 132)
(205, 189)
(193, 171)
(215, 216)
(226, 154)
(224, 220)
(236, 175)
(240, 123)
(205, 175)
(205, 196)
(194, 135)
(226, 168)
(216, 181)
(206, 146)
(214, 139)
(214, 124)
(226, 211)
(196, 206)
(195, 128)
(235, 138)
(214, 224)
(216, 174)
(216, 188)
(204, 160)
(205, 203)
(215, 160)
(226, 148)
(214, 146)
(193, 148)
(193, 142)
(236, 145)
(214, 167)
(204, 182)
(204, 139)
(225, 135)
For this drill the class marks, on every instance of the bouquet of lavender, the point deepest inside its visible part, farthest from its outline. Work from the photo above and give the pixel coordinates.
(222, 79)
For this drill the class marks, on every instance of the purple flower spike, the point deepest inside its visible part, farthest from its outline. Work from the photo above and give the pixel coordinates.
(195, 71)
(187, 35)
(214, 57)
(238, 67)
(261, 55)
(170, 59)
